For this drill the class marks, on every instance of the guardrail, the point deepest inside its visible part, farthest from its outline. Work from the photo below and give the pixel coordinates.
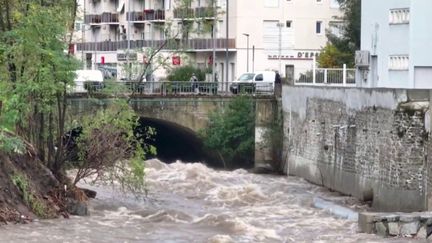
(325, 76)
(176, 88)
(192, 44)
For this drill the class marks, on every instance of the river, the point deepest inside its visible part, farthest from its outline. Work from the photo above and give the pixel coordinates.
(193, 203)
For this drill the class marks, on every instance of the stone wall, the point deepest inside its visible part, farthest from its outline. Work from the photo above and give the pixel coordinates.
(368, 143)
(418, 225)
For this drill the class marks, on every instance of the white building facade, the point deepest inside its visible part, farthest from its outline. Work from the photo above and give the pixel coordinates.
(397, 36)
(282, 35)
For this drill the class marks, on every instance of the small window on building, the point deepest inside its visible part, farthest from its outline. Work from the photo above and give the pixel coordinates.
(271, 3)
(288, 23)
(399, 63)
(318, 27)
(334, 4)
(77, 26)
(319, 1)
(399, 16)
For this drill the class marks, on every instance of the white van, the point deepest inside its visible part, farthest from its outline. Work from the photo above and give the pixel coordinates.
(260, 81)
(86, 80)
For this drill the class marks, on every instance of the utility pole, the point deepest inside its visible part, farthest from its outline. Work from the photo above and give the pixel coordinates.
(226, 43)
(214, 42)
(253, 58)
(128, 15)
(280, 25)
(82, 38)
(247, 52)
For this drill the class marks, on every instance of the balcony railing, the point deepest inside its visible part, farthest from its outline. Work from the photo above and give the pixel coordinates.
(326, 76)
(146, 15)
(101, 18)
(184, 13)
(201, 12)
(193, 44)
(204, 12)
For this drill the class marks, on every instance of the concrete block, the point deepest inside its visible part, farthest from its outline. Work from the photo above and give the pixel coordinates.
(409, 228)
(366, 222)
(391, 218)
(407, 218)
(422, 233)
(394, 228)
(381, 229)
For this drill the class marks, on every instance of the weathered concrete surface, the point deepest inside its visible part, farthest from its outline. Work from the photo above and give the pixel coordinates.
(367, 143)
(396, 224)
(191, 113)
(266, 113)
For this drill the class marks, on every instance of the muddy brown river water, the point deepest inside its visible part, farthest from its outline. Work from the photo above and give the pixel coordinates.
(193, 203)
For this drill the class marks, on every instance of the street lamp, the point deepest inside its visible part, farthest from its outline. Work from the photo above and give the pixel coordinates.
(280, 25)
(247, 52)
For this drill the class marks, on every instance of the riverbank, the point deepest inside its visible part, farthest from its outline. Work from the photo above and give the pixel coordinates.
(28, 189)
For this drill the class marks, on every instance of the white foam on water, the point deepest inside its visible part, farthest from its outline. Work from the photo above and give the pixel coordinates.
(189, 202)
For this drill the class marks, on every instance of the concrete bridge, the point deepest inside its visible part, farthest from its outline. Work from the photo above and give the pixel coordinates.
(179, 119)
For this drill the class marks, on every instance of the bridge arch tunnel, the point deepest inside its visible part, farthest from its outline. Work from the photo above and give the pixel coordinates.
(176, 142)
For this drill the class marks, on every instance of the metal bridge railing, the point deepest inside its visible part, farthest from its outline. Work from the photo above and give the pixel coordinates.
(167, 88)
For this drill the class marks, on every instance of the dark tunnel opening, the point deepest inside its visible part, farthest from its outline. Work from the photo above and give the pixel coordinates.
(174, 142)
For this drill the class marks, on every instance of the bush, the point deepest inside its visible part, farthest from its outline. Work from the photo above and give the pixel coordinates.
(231, 133)
(185, 73)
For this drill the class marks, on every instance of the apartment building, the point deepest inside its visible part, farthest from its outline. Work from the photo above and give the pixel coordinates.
(282, 35)
(396, 39)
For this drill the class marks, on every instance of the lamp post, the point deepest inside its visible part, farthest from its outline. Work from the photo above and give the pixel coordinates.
(280, 25)
(226, 43)
(247, 52)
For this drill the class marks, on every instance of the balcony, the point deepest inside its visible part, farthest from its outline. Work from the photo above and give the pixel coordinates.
(96, 19)
(184, 13)
(204, 12)
(186, 45)
(188, 13)
(146, 15)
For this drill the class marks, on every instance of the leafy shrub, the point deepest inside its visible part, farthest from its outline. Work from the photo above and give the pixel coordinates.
(185, 73)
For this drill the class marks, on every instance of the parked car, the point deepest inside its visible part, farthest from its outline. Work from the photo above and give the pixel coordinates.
(261, 82)
(89, 80)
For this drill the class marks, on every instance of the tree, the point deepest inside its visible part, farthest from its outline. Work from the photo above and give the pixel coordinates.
(36, 74)
(340, 49)
(231, 132)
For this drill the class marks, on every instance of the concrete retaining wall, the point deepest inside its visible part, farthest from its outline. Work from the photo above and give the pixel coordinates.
(368, 143)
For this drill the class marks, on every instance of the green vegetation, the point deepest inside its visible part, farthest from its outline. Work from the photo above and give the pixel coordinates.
(36, 204)
(185, 73)
(341, 49)
(232, 133)
(108, 149)
(35, 76)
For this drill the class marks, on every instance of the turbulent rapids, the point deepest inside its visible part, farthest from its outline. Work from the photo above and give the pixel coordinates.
(193, 203)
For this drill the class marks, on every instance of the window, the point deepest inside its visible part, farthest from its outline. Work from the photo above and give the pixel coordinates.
(399, 16)
(271, 3)
(167, 4)
(399, 62)
(288, 23)
(334, 4)
(318, 27)
(259, 77)
(77, 26)
(319, 1)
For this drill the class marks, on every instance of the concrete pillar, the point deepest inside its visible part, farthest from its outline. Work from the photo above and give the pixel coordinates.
(266, 113)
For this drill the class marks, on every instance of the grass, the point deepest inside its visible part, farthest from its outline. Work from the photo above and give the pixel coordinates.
(36, 204)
